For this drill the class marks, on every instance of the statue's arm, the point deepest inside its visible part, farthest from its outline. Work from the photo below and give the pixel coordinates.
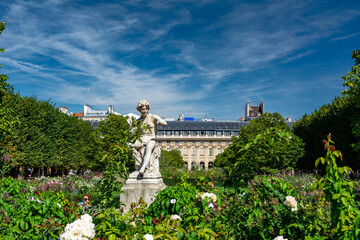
(160, 121)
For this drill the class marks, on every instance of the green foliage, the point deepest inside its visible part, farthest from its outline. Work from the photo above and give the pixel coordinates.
(6, 164)
(266, 143)
(4, 86)
(258, 211)
(352, 82)
(7, 122)
(110, 133)
(26, 215)
(340, 117)
(111, 225)
(345, 213)
(174, 200)
(116, 137)
(335, 118)
(46, 137)
(170, 163)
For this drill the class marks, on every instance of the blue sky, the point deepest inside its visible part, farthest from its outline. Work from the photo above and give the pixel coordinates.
(192, 57)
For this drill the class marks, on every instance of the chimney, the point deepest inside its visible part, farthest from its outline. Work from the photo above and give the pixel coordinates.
(87, 109)
(111, 109)
(247, 110)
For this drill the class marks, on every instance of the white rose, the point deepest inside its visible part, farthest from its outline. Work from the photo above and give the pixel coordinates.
(88, 232)
(173, 201)
(75, 233)
(148, 237)
(213, 197)
(175, 217)
(280, 238)
(290, 201)
(86, 218)
(79, 224)
(65, 236)
(203, 195)
(68, 227)
(211, 205)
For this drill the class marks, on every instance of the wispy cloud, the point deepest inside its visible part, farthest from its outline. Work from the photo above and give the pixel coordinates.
(169, 52)
(345, 37)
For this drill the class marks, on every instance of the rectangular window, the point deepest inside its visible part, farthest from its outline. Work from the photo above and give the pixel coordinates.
(168, 132)
(211, 133)
(168, 141)
(177, 133)
(202, 142)
(185, 141)
(194, 132)
(218, 133)
(159, 141)
(176, 141)
(210, 141)
(219, 142)
(185, 132)
(227, 133)
(194, 151)
(202, 151)
(202, 133)
(219, 150)
(185, 151)
(210, 152)
(168, 149)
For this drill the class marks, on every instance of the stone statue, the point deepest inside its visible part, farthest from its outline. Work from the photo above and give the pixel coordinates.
(146, 153)
(146, 180)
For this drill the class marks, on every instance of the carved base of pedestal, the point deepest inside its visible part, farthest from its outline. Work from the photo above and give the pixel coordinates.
(138, 186)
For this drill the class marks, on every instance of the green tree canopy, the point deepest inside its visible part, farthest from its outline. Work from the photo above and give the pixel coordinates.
(266, 143)
(352, 82)
(341, 118)
(7, 122)
(46, 137)
(111, 132)
(171, 159)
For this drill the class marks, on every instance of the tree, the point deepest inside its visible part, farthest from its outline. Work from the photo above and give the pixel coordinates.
(46, 137)
(170, 162)
(7, 122)
(265, 144)
(352, 82)
(334, 117)
(110, 133)
(340, 117)
(4, 85)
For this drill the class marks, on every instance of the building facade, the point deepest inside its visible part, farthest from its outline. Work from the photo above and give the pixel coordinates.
(97, 115)
(199, 142)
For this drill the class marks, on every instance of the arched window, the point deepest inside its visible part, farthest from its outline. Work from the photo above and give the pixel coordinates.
(210, 165)
(202, 165)
(193, 165)
(186, 165)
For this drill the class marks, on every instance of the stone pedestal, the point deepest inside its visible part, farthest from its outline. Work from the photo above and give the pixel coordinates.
(141, 186)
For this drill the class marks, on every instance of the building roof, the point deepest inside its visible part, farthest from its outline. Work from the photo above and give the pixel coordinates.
(79, 114)
(203, 125)
(200, 125)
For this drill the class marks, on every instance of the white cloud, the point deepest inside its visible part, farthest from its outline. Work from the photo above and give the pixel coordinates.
(103, 54)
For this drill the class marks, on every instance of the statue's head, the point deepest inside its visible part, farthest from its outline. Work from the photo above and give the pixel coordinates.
(143, 103)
